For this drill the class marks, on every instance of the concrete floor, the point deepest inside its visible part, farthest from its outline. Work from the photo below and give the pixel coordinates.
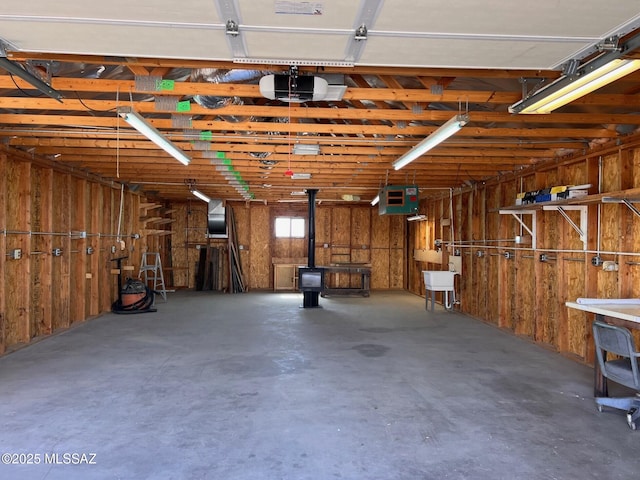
(250, 386)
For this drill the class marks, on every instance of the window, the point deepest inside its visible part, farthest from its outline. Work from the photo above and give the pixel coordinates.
(289, 227)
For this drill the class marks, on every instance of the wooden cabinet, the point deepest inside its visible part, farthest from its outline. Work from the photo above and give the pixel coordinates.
(285, 277)
(285, 273)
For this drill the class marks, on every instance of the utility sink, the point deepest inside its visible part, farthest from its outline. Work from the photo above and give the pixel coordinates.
(439, 281)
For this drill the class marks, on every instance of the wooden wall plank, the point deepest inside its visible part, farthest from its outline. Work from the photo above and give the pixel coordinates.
(40, 255)
(76, 252)
(60, 265)
(380, 232)
(17, 272)
(260, 267)
(95, 221)
(4, 206)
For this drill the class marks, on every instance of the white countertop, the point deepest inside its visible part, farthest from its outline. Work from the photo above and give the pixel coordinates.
(621, 311)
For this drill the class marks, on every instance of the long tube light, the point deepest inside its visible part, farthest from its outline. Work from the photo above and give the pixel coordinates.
(549, 99)
(200, 195)
(18, 71)
(139, 123)
(449, 128)
(375, 200)
(592, 75)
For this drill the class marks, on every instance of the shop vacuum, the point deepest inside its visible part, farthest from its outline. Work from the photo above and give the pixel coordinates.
(134, 296)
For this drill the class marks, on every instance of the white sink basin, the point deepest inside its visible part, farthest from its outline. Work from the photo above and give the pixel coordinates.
(438, 280)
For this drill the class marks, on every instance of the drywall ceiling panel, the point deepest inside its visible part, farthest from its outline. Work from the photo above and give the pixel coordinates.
(183, 11)
(190, 43)
(303, 46)
(461, 53)
(328, 14)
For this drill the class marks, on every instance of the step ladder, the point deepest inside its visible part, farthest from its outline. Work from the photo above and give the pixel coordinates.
(151, 271)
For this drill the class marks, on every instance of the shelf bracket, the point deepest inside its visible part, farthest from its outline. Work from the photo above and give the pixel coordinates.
(518, 216)
(582, 228)
(631, 206)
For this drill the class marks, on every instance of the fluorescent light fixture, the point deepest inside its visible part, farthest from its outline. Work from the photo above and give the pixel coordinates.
(301, 176)
(419, 217)
(375, 200)
(139, 123)
(200, 195)
(306, 149)
(570, 88)
(452, 126)
(577, 82)
(18, 71)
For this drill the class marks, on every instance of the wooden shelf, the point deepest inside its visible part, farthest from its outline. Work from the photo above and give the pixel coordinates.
(631, 195)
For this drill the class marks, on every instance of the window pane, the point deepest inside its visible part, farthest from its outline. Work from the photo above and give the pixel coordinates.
(283, 226)
(297, 227)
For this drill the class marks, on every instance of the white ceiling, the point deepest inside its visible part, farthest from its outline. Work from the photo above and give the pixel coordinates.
(496, 34)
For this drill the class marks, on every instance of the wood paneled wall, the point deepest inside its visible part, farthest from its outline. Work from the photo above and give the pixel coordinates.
(344, 234)
(523, 294)
(43, 209)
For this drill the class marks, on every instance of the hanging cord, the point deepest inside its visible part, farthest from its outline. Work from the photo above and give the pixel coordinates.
(117, 134)
(118, 239)
(290, 133)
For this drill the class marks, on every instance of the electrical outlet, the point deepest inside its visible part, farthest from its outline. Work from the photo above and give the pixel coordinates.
(113, 249)
(508, 255)
(609, 266)
(57, 252)
(16, 254)
(89, 250)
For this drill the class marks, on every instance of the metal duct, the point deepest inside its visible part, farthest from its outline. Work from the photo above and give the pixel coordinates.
(215, 75)
(217, 219)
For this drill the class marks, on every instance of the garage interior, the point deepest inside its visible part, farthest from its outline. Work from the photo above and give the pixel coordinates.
(229, 377)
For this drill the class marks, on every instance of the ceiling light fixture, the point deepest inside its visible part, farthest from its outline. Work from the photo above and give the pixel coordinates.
(449, 128)
(570, 88)
(596, 73)
(200, 195)
(300, 176)
(419, 217)
(139, 123)
(306, 149)
(15, 69)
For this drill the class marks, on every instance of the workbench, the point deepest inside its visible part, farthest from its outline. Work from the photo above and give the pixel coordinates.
(364, 271)
(624, 314)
